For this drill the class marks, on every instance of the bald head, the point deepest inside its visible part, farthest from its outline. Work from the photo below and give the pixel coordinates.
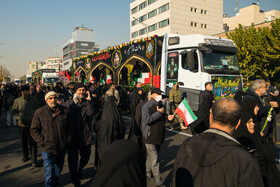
(226, 112)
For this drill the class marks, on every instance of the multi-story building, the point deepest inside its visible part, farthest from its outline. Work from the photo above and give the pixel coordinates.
(53, 63)
(34, 66)
(157, 17)
(81, 43)
(248, 15)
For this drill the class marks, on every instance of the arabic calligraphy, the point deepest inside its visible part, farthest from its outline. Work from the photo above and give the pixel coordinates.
(104, 56)
(134, 48)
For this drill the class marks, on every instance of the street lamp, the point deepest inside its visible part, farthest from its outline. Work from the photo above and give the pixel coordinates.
(146, 26)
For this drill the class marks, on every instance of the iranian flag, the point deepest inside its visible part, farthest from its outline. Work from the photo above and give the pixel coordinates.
(185, 112)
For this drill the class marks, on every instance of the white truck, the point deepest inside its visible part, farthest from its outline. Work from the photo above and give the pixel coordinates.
(16, 81)
(49, 76)
(196, 59)
(28, 78)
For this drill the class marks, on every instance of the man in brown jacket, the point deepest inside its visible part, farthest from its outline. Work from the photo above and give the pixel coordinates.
(50, 128)
(23, 110)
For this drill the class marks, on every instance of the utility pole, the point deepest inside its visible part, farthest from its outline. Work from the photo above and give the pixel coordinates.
(236, 6)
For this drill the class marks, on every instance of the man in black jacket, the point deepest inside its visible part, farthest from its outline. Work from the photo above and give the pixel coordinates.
(257, 91)
(214, 158)
(51, 128)
(153, 129)
(206, 99)
(81, 109)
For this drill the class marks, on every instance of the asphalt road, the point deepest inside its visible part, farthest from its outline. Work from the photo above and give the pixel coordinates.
(13, 172)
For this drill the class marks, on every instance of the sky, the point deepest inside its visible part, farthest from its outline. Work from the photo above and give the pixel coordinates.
(32, 30)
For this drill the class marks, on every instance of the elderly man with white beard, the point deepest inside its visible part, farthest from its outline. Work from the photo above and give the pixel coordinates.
(81, 109)
(51, 128)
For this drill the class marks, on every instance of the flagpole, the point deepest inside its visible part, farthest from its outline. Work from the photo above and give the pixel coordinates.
(269, 113)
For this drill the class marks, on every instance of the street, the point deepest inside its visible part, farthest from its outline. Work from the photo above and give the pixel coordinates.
(13, 172)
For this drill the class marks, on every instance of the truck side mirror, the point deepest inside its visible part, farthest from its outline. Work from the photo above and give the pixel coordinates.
(191, 59)
(181, 83)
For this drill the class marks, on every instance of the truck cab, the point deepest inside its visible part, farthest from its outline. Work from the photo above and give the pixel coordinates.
(196, 59)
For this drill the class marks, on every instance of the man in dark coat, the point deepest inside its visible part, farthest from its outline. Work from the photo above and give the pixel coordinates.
(206, 99)
(153, 129)
(214, 158)
(70, 92)
(39, 95)
(257, 91)
(51, 128)
(81, 108)
(137, 97)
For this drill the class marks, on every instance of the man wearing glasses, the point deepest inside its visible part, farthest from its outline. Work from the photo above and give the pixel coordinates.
(50, 128)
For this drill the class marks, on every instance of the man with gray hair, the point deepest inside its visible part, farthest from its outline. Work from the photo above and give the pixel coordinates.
(257, 91)
(51, 128)
(214, 157)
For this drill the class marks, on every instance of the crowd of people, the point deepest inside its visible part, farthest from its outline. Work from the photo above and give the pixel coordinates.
(232, 143)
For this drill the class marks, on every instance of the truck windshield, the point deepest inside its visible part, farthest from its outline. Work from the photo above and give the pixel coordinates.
(215, 62)
(51, 80)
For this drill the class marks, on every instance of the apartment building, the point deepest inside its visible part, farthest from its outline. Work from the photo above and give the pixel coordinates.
(54, 63)
(34, 66)
(248, 15)
(81, 43)
(157, 17)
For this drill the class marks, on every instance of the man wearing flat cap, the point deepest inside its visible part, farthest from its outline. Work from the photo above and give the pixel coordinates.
(153, 130)
(82, 110)
(51, 128)
(23, 109)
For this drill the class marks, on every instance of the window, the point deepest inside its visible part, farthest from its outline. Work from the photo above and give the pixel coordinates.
(134, 34)
(205, 26)
(134, 22)
(201, 11)
(163, 8)
(135, 9)
(152, 27)
(151, 1)
(193, 24)
(142, 31)
(202, 25)
(191, 9)
(142, 18)
(195, 9)
(142, 5)
(205, 12)
(152, 14)
(188, 63)
(163, 23)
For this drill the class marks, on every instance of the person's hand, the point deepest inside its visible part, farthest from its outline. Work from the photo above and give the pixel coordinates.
(161, 110)
(274, 104)
(170, 117)
(94, 95)
(274, 94)
(262, 134)
(88, 96)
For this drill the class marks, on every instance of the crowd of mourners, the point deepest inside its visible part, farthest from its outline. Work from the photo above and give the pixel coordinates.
(232, 142)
